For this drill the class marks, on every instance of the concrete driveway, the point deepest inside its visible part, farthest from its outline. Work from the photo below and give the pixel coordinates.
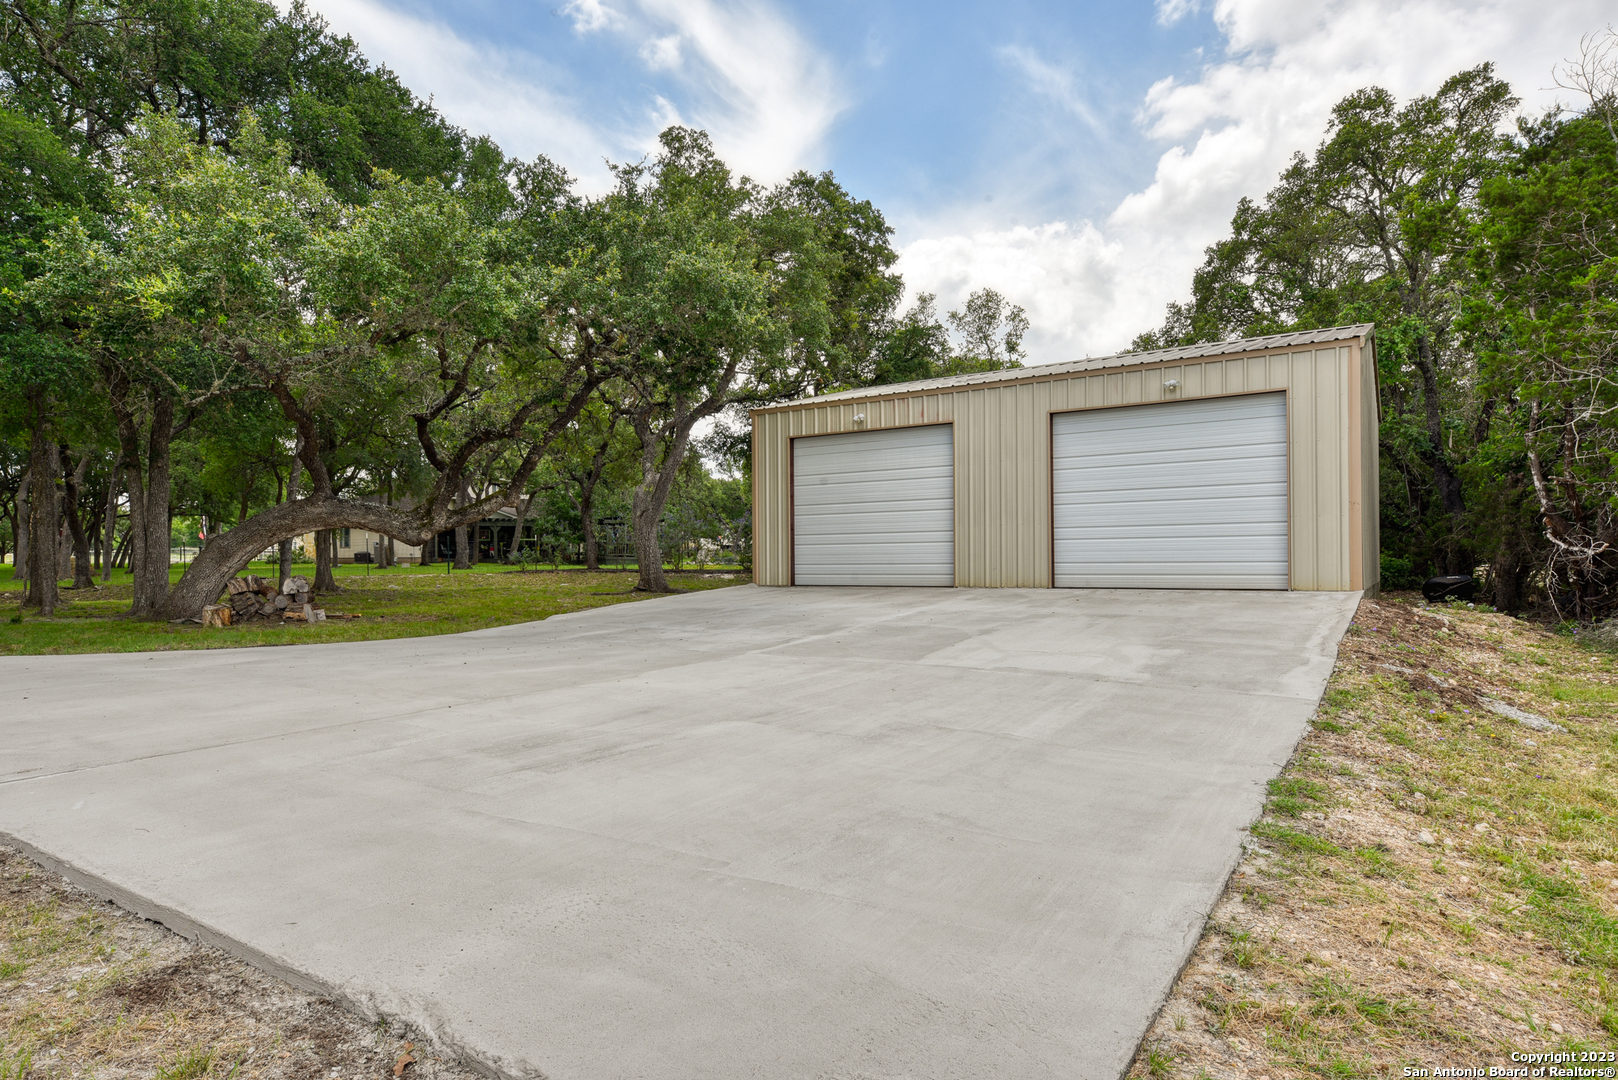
(851, 833)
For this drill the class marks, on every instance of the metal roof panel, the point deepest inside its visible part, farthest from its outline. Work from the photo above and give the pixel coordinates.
(1096, 363)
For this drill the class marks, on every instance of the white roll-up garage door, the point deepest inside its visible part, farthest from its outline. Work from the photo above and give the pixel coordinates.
(874, 507)
(1187, 495)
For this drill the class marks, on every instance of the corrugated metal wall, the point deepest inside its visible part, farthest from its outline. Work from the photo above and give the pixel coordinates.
(1368, 485)
(1003, 467)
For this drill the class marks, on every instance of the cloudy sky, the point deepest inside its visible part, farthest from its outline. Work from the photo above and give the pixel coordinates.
(1076, 156)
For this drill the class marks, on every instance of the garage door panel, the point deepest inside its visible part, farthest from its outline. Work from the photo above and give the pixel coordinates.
(1167, 514)
(1146, 489)
(1252, 470)
(1181, 495)
(905, 497)
(891, 527)
(875, 508)
(1172, 531)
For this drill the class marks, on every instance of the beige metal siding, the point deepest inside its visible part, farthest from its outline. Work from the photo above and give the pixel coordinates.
(1319, 470)
(1369, 401)
(1003, 466)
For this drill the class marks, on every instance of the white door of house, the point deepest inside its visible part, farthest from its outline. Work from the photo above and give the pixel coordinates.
(1184, 495)
(874, 507)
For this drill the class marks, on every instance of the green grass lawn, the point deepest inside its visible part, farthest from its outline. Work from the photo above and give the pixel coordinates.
(402, 602)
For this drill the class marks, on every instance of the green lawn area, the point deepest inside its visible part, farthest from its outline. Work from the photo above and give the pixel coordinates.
(401, 602)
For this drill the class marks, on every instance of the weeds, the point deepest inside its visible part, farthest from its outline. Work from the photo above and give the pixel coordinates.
(1290, 796)
(1241, 952)
(188, 1065)
(15, 1066)
(1293, 839)
(1160, 1063)
(1556, 905)
(1375, 862)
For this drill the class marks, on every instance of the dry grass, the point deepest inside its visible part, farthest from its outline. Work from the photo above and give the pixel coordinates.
(88, 990)
(1431, 885)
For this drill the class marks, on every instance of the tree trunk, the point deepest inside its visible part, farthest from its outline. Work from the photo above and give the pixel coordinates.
(460, 548)
(645, 515)
(285, 569)
(385, 548)
(230, 552)
(524, 504)
(109, 526)
(71, 482)
(44, 514)
(587, 522)
(325, 542)
(64, 537)
(1509, 572)
(149, 507)
(651, 495)
(585, 503)
(1445, 479)
(19, 568)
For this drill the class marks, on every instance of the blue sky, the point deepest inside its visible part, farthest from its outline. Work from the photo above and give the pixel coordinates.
(1076, 156)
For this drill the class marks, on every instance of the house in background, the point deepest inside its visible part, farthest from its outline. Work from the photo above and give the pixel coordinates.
(495, 537)
(366, 545)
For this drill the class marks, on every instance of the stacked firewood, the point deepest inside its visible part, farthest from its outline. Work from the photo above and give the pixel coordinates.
(254, 597)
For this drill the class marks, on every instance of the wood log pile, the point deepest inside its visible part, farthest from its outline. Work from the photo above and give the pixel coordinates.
(256, 598)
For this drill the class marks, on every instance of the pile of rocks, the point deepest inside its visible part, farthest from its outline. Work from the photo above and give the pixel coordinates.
(254, 597)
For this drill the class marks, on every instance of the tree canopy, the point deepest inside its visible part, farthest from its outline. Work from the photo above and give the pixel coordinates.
(249, 275)
(1480, 253)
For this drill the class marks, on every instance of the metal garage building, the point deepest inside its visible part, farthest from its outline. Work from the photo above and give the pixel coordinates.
(1241, 465)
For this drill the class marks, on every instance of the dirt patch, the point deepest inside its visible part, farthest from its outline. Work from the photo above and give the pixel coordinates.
(86, 989)
(1432, 884)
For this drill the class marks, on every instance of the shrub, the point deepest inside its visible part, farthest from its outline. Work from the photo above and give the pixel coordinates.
(1400, 573)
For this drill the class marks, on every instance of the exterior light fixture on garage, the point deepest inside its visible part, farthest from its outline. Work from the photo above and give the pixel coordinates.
(1243, 464)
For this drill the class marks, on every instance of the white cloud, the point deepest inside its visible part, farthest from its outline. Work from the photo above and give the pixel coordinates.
(591, 15)
(1068, 277)
(1170, 12)
(663, 53)
(1232, 129)
(1050, 81)
(765, 95)
(482, 88)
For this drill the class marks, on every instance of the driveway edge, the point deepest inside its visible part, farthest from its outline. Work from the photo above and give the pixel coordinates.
(182, 924)
(1335, 636)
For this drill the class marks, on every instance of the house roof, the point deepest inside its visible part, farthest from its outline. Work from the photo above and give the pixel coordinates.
(1095, 363)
